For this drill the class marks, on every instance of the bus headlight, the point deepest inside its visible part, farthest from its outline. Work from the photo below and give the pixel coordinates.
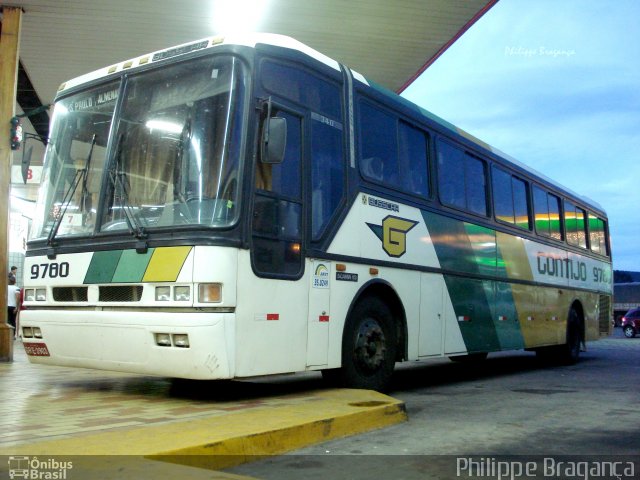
(41, 294)
(210, 292)
(182, 294)
(163, 339)
(163, 294)
(29, 295)
(181, 340)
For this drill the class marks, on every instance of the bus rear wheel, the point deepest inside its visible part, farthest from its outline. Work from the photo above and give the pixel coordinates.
(368, 347)
(569, 352)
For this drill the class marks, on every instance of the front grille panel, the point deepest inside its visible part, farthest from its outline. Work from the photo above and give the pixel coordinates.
(70, 294)
(120, 293)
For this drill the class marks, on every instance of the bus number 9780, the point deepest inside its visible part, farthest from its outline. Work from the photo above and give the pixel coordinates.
(49, 270)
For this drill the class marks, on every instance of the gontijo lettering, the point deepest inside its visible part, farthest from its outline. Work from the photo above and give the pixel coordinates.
(562, 267)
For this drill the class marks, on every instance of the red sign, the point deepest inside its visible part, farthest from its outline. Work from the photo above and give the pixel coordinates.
(36, 349)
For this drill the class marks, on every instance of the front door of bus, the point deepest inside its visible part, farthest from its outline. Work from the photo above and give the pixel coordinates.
(278, 296)
(277, 212)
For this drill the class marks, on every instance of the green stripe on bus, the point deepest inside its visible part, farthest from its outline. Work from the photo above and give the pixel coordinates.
(505, 314)
(132, 266)
(451, 242)
(102, 267)
(471, 307)
(505, 318)
(469, 250)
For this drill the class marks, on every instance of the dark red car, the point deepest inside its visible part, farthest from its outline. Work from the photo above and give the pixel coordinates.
(631, 323)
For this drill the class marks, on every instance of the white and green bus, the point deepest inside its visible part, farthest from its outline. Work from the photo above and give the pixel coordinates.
(244, 206)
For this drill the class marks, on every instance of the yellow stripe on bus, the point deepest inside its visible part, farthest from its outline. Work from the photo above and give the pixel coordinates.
(165, 264)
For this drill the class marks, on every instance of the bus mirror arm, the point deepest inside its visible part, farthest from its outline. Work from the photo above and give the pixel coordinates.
(274, 140)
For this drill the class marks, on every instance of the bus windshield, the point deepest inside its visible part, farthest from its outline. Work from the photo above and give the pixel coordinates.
(173, 156)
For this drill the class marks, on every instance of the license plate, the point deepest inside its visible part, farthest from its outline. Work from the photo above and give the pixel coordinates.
(36, 349)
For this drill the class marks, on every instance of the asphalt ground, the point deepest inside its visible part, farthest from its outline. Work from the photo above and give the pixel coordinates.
(509, 408)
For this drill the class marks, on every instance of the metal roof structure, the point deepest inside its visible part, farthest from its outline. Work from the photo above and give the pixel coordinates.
(390, 42)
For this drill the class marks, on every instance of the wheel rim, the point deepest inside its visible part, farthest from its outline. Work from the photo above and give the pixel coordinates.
(628, 332)
(370, 346)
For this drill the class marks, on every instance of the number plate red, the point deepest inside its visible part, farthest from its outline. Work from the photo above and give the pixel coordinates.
(36, 349)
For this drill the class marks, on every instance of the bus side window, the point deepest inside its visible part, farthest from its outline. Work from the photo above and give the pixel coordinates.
(412, 156)
(378, 145)
(597, 238)
(462, 179)
(547, 213)
(327, 173)
(510, 199)
(574, 219)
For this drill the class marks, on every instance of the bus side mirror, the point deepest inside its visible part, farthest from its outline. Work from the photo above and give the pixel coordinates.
(274, 140)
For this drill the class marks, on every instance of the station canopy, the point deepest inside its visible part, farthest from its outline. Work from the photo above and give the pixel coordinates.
(388, 41)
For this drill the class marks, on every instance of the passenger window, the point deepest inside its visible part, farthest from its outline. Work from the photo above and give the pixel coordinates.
(574, 219)
(597, 237)
(378, 145)
(302, 87)
(541, 212)
(555, 225)
(327, 172)
(412, 155)
(461, 179)
(475, 185)
(510, 199)
(547, 213)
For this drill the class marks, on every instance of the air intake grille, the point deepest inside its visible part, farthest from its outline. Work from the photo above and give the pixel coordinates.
(70, 294)
(604, 321)
(124, 293)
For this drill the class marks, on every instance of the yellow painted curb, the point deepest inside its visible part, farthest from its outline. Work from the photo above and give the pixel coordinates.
(224, 441)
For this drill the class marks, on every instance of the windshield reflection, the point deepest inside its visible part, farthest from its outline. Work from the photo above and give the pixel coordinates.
(174, 157)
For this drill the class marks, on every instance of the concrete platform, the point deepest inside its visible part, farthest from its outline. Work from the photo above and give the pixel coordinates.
(56, 412)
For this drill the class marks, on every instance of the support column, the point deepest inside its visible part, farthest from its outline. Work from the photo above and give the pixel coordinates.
(9, 48)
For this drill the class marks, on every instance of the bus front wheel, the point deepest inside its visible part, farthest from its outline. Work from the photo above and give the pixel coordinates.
(368, 347)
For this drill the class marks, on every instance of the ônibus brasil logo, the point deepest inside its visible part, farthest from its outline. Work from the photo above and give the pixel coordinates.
(33, 468)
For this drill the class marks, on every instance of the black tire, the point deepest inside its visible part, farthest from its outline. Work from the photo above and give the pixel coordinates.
(470, 358)
(629, 331)
(569, 352)
(368, 347)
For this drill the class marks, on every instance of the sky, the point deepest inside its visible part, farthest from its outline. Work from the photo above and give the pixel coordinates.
(556, 85)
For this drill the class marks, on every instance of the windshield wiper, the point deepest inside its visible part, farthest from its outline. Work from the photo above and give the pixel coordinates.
(118, 182)
(80, 176)
(85, 198)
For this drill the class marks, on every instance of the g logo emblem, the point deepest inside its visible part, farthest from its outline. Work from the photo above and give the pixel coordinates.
(393, 234)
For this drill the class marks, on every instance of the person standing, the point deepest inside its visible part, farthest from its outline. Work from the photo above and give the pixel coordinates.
(13, 299)
(13, 273)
